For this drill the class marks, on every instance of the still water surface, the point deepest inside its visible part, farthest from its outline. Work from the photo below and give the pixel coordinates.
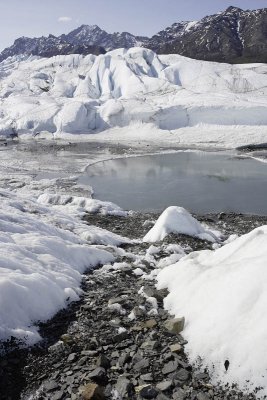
(199, 181)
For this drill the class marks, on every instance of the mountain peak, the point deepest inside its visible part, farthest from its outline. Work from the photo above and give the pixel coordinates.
(85, 30)
(89, 27)
(232, 9)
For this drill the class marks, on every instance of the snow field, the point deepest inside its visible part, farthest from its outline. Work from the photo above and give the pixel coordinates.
(44, 251)
(223, 296)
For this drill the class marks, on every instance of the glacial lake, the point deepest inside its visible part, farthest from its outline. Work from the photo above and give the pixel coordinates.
(201, 182)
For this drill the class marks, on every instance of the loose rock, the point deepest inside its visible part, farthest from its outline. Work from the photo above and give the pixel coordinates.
(165, 385)
(125, 388)
(98, 375)
(93, 391)
(175, 325)
(176, 348)
(170, 367)
(148, 392)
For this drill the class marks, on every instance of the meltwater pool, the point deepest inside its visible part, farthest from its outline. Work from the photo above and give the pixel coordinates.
(201, 182)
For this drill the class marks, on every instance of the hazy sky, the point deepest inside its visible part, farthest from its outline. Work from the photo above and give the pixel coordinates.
(145, 17)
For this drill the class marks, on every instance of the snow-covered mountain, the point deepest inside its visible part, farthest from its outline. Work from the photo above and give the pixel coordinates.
(78, 93)
(84, 40)
(234, 36)
(231, 36)
(93, 35)
(48, 47)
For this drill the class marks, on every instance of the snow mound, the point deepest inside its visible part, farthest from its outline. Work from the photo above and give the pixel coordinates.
(223, 296)
(42, 259)
(80, 205)
(178, 220)
(85, 94)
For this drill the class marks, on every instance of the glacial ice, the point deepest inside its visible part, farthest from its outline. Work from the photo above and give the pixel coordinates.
(87, 94)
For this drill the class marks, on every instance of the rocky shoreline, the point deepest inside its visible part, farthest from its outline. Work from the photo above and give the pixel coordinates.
(118, 342)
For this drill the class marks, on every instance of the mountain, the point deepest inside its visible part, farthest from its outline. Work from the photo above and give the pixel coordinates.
(48, 47)
(93, 35)
(233, 36)
(84, 40)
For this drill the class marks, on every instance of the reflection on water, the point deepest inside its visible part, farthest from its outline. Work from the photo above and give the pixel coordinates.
(201, 182)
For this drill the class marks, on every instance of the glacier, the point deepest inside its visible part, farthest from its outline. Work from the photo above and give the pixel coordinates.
(167, 93)
(127, 95)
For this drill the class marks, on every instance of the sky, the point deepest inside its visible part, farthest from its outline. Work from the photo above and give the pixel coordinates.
(34, 18)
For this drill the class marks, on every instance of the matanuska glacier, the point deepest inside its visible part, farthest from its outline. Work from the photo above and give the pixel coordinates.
(88, 94)
(46, 247)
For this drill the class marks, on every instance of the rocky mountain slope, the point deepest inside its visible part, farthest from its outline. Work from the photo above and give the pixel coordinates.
(93, 35)
(234, 36)
(83, 40)
(48, 47)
